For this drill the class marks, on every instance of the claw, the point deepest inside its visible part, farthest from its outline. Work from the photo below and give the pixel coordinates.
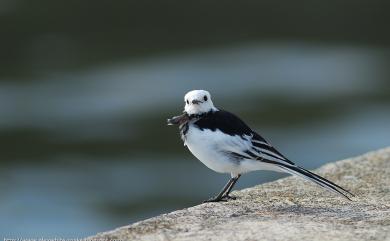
(228, 197)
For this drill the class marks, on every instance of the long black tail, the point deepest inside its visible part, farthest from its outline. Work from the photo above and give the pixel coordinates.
(308, 175)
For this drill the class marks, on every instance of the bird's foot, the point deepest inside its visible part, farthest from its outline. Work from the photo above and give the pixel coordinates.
(224, 198)
(228, 197)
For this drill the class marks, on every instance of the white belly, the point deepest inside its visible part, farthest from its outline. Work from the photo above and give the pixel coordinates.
(211, 148)
(206, 146)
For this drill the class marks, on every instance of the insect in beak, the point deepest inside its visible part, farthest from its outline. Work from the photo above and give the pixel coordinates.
(178, 120)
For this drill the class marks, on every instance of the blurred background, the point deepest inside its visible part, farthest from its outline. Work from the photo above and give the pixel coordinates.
(86, 88)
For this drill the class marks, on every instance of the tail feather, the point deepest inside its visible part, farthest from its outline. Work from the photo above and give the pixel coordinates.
(325, 180)
(308, 175)
(315, 180)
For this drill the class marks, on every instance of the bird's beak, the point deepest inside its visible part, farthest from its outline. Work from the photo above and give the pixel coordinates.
(196, 102)
(178, 120)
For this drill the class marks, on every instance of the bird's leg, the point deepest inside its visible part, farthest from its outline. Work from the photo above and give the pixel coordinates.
(219, 196)
(226, 195)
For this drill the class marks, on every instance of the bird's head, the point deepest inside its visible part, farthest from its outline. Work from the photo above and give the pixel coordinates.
(198, 102)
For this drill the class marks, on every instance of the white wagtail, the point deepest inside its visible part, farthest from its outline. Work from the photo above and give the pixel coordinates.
(225, 144)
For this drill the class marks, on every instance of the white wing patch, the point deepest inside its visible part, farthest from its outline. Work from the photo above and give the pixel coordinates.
(268, 152)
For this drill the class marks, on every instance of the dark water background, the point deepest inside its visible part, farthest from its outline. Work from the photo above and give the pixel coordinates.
(86, 87)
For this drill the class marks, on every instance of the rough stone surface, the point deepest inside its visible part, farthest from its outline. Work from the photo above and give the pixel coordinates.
(287, 209)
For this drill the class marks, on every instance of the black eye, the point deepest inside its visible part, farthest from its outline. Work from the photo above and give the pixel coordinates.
(188, 102)
(205, 98)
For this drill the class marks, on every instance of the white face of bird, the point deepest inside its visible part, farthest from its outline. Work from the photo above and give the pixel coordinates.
(198, 102)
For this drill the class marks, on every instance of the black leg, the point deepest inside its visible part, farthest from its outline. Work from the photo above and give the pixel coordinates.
(219, 196)
(224, 194)
(235, 179)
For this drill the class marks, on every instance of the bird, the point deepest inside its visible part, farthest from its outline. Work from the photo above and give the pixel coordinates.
(226, 144)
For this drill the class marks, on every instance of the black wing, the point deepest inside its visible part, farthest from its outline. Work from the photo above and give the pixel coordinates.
(260, 145)
(224, 121)
(232, 125)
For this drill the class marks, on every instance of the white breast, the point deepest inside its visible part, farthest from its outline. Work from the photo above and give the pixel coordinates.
(211, 148)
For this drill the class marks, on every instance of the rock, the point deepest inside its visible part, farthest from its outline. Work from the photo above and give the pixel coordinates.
(287, 209)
